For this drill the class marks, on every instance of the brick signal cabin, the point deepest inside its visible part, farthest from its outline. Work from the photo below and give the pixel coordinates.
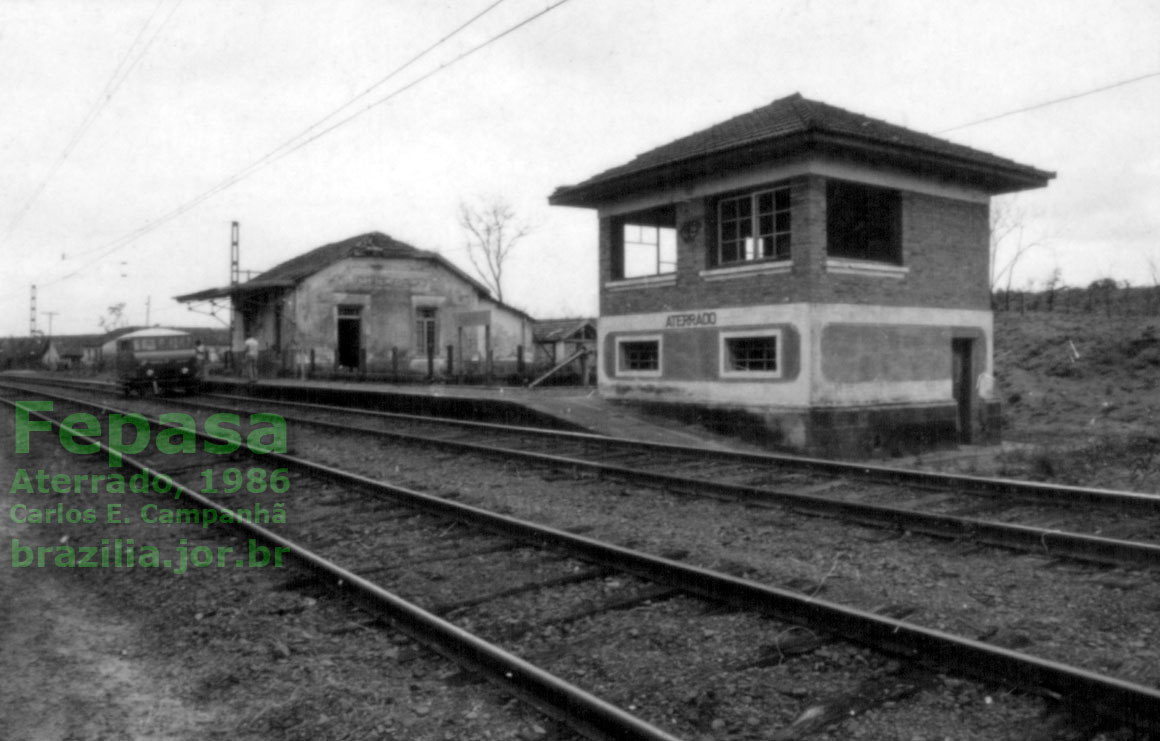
(810, 271)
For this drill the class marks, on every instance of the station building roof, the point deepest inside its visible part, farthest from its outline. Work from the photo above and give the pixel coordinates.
(558, 330)
(372, 245)
(792, 126)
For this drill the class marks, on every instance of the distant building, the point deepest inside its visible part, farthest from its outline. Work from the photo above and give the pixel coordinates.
(28, 353)
(373, 304)
(811, 272)
(561, 341)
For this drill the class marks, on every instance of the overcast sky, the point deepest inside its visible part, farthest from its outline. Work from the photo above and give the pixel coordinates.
(196, 91)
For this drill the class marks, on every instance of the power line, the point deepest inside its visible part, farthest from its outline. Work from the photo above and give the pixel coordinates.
(282, 152)
(1051, 102)
(113, 84)
(268, 157)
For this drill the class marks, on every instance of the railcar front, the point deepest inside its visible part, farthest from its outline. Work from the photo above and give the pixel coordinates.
(160, 361)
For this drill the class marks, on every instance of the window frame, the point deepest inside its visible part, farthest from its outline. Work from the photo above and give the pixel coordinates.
(755, 232)
(622, 371)
(429, 315)
(660, 218)
(872, 197)
(724, 354)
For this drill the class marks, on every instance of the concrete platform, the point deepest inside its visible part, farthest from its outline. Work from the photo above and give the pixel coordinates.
(565, 408)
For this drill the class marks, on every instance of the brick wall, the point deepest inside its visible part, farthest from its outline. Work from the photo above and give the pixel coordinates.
(944, 244)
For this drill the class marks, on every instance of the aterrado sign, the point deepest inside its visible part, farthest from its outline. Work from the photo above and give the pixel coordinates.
(681, 321)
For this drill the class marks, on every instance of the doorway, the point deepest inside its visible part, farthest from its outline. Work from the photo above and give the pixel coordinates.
(349, 336)
(962, 384)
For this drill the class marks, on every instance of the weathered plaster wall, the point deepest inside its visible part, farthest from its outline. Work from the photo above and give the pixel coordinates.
(389, 294)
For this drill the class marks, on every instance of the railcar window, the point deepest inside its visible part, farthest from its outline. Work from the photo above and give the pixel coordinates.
(180, 342)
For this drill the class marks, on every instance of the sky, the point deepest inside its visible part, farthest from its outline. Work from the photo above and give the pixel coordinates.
(130, 129)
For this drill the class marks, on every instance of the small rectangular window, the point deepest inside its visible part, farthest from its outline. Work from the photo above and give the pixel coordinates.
(638, 356)
(751, 354)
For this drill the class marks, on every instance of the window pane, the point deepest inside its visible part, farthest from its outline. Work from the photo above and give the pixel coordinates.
(766, 247)
(783, 221)
(728, 209)
(744, 207)
(764, 202)
(782, 199)
(863, 222)
(754, 354)
(729, 252)
(783, 249)
(640, 356)
(668, 251)
(765, 224)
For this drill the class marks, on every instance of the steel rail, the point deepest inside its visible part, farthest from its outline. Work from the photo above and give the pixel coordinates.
(1032, 490)
(1134, 704)
(1050, 492)
(580, 710)
(1043, 541)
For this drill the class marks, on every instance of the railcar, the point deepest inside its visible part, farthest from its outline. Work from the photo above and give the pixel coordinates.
(157, 360)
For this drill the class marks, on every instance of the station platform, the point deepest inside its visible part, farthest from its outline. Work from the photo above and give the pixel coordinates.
(577, 409)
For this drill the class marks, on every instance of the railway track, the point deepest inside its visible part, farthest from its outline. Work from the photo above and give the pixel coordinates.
(556, 581)
(1111, 527)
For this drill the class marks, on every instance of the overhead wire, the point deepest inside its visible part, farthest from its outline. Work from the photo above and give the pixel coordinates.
(124, 68)
(1052, 102)
(258, 163)
(285, 150)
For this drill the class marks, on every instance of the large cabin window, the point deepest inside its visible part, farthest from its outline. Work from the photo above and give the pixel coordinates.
(644, 244)
(755, 226)
(863, 223)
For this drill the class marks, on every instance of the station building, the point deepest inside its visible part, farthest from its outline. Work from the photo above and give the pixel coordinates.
(373, 304)
(815, 274)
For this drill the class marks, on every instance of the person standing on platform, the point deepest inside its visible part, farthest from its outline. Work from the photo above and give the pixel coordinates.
(984, 389)
(251, 345)
(202, 356)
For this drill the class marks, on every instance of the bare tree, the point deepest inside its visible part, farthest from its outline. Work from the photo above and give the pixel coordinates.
(115, 318)
(1010, 243)
(1051, 285)
(493, 231)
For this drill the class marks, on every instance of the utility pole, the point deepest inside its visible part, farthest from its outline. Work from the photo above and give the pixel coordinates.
(148, 300)
(32, 316)
(235, 250)
(50, 315)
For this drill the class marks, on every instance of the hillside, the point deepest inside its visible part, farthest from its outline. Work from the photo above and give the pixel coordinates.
(1085, 389)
